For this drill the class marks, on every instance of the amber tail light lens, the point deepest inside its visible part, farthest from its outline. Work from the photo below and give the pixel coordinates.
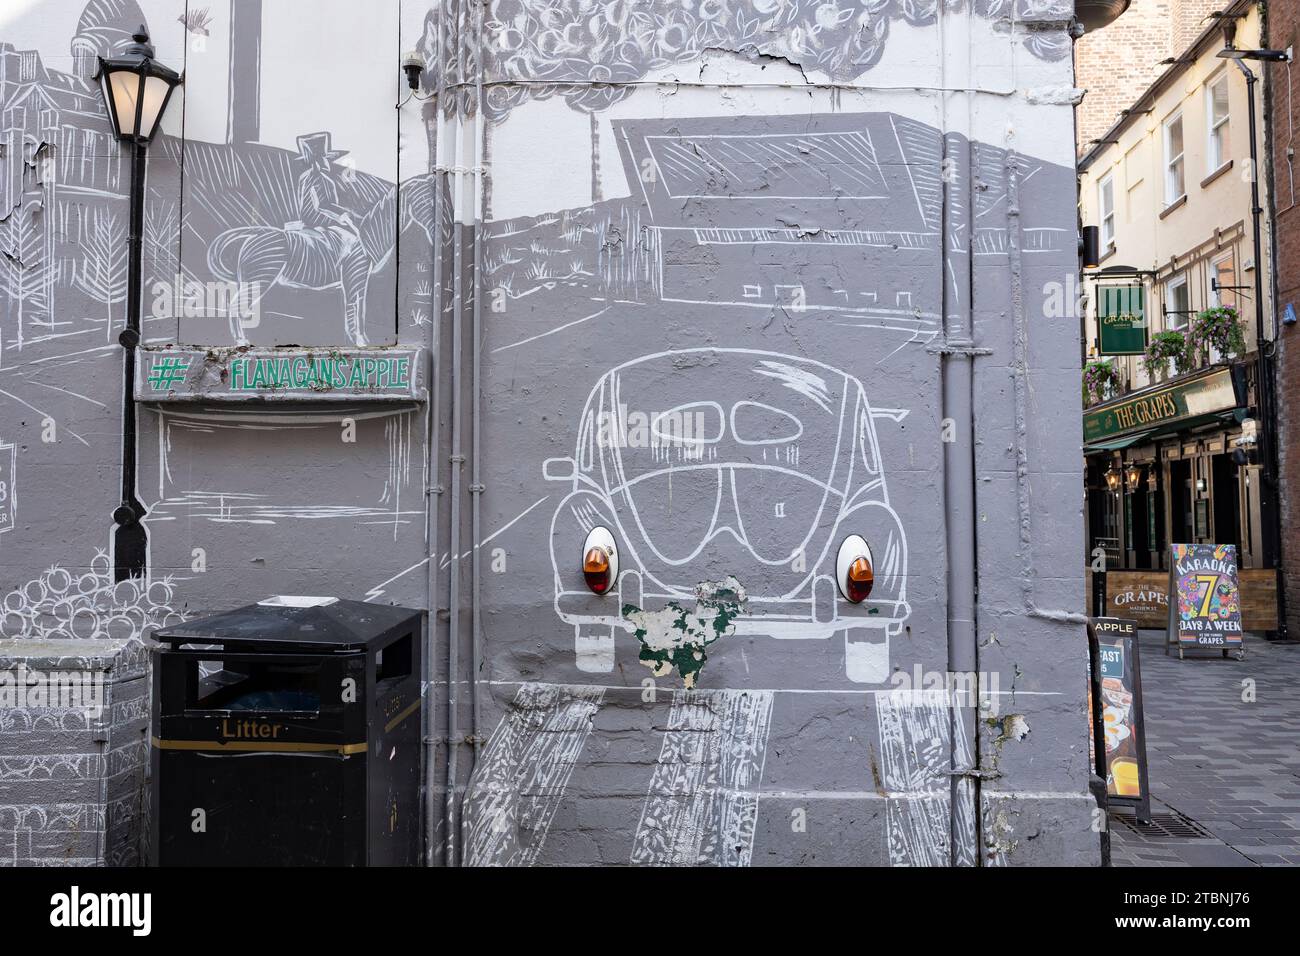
(600, 561)
(857, 584)
(595, 569)
(854, 573)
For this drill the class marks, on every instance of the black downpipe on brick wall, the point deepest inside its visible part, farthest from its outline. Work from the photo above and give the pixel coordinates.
(130, 540)
(1266, 412)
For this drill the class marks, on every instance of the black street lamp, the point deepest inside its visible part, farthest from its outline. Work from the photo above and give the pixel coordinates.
(136, 91)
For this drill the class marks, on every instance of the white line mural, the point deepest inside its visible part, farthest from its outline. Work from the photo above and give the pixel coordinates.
(87, 603)
(702, 804)
(524, 771)
(325, 247)
(763, 489)
(917, 749)
(797, 223)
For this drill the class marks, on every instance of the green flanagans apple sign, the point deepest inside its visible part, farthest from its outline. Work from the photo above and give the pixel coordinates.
(187, 375)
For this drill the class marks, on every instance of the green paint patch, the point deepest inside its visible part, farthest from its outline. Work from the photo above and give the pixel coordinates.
(674, 637)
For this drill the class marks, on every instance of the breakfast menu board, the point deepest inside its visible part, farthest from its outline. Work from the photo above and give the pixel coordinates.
(1204, 598)
(1116, 706)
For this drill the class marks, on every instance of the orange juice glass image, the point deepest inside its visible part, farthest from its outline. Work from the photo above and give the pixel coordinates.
(1124, 773)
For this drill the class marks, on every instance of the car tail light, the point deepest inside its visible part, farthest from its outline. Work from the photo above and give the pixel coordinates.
(854, 571)
(600, 561)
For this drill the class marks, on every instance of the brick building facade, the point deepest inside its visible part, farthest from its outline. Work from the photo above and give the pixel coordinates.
(1283, 26)
(1116, 63)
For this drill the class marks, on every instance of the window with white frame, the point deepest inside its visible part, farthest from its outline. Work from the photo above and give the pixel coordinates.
(1178, 303)
(1224, 270)
(1216, 123)
(1106, 209)
(1175, 185)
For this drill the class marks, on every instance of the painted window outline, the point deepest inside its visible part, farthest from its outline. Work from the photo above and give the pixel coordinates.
(1175, 164)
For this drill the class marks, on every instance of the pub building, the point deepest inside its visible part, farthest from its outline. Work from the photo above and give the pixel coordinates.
(1174, 461)
(1173, 430)
(1161, 469)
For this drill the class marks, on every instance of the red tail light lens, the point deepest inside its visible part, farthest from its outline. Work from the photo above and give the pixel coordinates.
(858, 582)
(595, 569)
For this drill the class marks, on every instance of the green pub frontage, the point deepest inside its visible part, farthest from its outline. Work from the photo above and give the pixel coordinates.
(1173, 464)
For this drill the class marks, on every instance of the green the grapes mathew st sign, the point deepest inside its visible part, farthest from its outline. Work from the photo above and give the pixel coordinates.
(1167, 404)
(1121, 320)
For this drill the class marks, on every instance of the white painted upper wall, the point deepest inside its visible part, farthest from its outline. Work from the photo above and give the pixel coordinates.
(1216, 208)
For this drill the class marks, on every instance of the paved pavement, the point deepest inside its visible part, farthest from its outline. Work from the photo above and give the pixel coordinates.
(1224, 769)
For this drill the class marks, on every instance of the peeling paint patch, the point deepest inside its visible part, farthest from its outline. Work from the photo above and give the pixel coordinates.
(1010, 727)
(1055, 95)
(675, 637)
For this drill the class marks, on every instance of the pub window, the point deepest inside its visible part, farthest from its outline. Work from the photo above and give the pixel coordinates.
(1175, 186)
(1178, 303)
(1106, 209)
(1224, 270)
(1216, 123)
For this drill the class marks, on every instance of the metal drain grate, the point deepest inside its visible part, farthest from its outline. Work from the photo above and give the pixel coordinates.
(1164, 826)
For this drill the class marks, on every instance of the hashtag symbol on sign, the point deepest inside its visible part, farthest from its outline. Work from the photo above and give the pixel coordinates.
(167, 372)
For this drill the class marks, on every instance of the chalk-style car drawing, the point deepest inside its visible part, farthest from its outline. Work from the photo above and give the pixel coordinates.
(712, 462)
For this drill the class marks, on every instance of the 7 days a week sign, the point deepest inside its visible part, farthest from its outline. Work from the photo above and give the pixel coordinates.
(298, 375)
(1204, 598)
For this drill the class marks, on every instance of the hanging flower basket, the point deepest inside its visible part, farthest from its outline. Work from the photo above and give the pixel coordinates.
(1100, 380)
(1219, 329)
(1163, 348)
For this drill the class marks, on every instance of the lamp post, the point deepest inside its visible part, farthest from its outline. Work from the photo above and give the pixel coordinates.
(1268, 490)
(136, 90)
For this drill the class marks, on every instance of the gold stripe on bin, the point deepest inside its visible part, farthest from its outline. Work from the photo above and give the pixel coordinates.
(253, 746)
(402, 716)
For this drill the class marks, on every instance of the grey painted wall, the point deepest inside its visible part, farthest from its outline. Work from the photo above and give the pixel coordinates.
(733, 280)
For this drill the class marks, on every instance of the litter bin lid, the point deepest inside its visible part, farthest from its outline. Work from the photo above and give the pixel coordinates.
(338, 625)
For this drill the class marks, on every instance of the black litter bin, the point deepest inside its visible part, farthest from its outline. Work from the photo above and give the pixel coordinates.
(288, 733)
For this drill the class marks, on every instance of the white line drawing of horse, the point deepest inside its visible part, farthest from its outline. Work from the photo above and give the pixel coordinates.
(327, 247)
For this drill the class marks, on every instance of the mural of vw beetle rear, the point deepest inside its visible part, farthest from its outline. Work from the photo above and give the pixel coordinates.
(711, 462)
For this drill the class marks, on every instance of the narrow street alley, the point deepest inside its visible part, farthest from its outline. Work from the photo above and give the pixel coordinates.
(1224, 768)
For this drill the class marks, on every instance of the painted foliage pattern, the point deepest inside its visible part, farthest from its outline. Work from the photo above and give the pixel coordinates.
(714, 327)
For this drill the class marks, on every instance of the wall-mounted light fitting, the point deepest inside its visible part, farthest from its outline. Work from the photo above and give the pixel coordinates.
(600, 560)
(854, 570)
(1090, 246)
(413, 67)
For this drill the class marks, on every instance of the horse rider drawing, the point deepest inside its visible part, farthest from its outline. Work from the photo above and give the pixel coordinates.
(324, 248)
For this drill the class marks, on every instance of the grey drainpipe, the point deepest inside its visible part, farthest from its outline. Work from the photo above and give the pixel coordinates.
(959, 496)
(433, 489)
(456, 459)
(476, 483)
(957, 356)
